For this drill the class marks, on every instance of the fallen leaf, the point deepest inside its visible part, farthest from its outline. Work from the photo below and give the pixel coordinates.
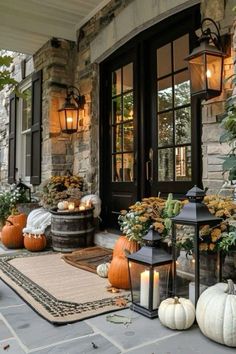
(118, 319)
(111, 289)
(121, 302)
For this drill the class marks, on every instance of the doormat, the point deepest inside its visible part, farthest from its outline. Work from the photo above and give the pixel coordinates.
(58, 292)
(88, 258)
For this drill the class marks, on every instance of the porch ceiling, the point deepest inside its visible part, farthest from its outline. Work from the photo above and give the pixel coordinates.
(26, 25)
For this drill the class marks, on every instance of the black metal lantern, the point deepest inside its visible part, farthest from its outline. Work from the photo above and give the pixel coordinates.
(69, 113)
(193, 273)
(206, 64)
(25, 190)
(149, 272)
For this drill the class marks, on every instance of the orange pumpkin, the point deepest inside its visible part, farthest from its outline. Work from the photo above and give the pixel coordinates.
(35, 244)
(118, 274)
(12, 236)
(19, 219)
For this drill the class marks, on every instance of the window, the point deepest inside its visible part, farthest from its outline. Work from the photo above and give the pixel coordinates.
(24, 155)
(23, 131)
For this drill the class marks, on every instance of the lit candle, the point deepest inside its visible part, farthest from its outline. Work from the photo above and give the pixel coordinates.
(144, 289)
(81, 207)
(71, 206)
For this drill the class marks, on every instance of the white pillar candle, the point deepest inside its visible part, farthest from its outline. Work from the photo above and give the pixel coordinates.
(144, 288)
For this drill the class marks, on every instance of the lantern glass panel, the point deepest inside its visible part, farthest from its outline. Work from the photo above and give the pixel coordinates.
(197, 73)
(186, 262)
(140, 278)
(213, 72)
(68, 119)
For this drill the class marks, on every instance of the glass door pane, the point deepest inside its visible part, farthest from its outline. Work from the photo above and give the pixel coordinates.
(123, 124)
(173, 112)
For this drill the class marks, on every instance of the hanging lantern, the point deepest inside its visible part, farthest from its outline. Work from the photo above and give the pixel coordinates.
(69, 114)
(206, 64)
(149, 272)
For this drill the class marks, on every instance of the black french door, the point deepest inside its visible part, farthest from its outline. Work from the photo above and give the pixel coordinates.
(119, 136)
(150, 138)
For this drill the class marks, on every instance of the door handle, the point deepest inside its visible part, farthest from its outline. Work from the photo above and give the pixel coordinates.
(151, 164)
(148, 165)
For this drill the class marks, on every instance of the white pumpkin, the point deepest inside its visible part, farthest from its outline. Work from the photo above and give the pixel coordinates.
(176, 313)
(102, 269)
(216, 313)
(60, 205)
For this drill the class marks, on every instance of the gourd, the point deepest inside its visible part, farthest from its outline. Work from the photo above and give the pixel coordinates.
(118, 274)
(19, 219)
(62, 205)
(176, 313)
(216, 313)
(102, 269)
(34, 243)
(12, 235)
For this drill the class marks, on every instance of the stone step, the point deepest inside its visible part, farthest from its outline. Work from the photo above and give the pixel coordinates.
(105, 239)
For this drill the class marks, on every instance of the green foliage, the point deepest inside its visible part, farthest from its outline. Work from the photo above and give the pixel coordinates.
(229, 136)
(228, 241)
(9, 200)
(5, 74)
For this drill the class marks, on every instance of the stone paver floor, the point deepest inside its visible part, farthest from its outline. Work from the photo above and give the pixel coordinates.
(24, 331)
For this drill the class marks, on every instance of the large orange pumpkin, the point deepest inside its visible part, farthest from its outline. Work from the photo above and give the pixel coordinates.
(34, 244)
(118, 274)
(19, 219)
(12, 235)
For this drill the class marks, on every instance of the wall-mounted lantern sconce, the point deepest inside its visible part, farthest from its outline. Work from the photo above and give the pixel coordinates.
(69, 113)
(206, 64)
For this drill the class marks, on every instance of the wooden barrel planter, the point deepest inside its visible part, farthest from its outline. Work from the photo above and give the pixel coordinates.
(72, 230)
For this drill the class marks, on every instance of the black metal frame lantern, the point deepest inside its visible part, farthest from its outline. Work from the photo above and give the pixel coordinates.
(206, 64)
(194, 214)
(69, 113)
(149, 272)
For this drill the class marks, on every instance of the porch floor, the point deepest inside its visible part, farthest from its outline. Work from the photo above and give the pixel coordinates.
(24, 331)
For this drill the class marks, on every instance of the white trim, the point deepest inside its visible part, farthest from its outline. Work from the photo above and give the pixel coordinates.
(91, 14)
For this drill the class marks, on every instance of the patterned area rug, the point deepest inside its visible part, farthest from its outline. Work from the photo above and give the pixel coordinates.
(88, 258)
(58, 292)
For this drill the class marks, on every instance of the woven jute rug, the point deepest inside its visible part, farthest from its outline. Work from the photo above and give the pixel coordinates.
(58, 292)
(88, 258)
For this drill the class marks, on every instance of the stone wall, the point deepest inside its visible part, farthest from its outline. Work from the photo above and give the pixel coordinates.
(16, 72)
(213, 110)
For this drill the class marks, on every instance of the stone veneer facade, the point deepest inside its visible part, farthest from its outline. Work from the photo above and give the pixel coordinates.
(78, 65)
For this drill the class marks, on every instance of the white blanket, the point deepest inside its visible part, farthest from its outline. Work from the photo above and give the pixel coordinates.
(37, 221)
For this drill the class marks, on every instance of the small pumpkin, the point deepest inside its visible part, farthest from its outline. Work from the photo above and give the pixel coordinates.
(35, 243)
(176, 313)
(19, 219)
(118, 274)
(12, 235)
(60, 206)
(216, 313)
(102, 269)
